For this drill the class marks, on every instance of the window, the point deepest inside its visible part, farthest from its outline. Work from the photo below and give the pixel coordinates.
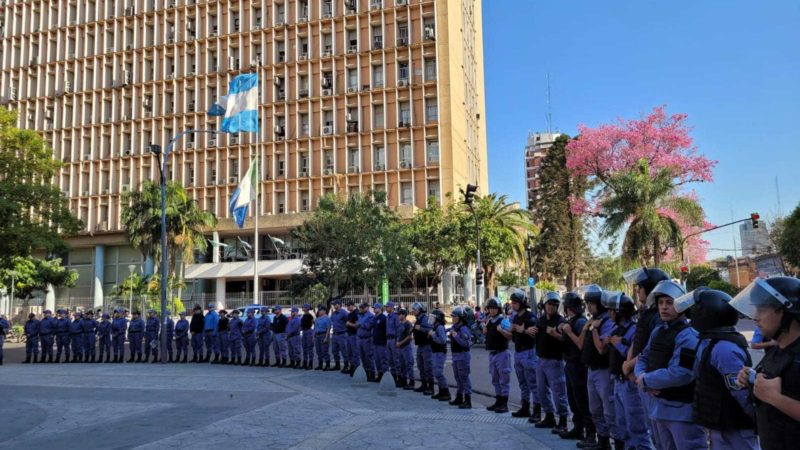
(431, 110)
(379, 158)
(302, 9)
(433, 189)
(353, 160)
(234, 168)
(303, 164)
(280, 14)
(430, 69)
(377, 38)
(405, 114)
(352, 78)
(327, 8)
(328, 160)
(433, 151)
(406, 194)
(304, 200)
(402, 71)
(303, 48)
(304, 127)
(377, 117)
(302, 83)
(405, 154)
(280, 200)
(377, 77)
(402, 34)
(281, 161)
(352, 41)
(327, 44)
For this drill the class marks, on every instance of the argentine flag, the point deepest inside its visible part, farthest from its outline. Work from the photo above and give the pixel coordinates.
(244, 194)
(240, 107)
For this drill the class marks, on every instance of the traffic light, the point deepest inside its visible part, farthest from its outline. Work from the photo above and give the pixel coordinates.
(469, 194)
(754, 218)
(684, 272)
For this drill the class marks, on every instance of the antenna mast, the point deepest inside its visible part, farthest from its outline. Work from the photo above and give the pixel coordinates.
(549, 110)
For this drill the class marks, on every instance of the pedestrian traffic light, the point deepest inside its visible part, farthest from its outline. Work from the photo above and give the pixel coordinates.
(754, 218)
(469, 194)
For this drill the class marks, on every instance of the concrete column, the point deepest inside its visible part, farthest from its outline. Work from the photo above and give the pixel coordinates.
(149, 266)
(99, 266)
(50, 299)
(220, 295)
(215, 257)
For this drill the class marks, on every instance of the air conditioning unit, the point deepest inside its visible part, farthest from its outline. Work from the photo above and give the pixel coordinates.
(327, 54)
(405, 165)
(106, 191)
(102, 226)
(189, 145)
(302, 93)
(255, 63)
(277, 81)
(234, 140)
(353, 169)
(71, 55)
(171, 4)
(233, 63)
(402, 42)
(211, 182)
(129, 47)
(352, 49)
(213, 32)
(280, 23)
(125, 117)
(233, 180)
(401, 2)
(380, 167)
(327, 130)
(376, 5)
(327, 92)
(85, 193)
(302, 19)
(33, 61)
(110, 49)
(170, 76)
(190, 73)
(212, 142)
(87, 156)
(73, 22)
(190, 106)
(327, 14)
(302, 56)
(126, 187)
(402, 83)
(279, 130)
(350, 117)
(352, 90)
(302, 174)
(148, 114)
(328, 172)
(130, 10)
(430, 33)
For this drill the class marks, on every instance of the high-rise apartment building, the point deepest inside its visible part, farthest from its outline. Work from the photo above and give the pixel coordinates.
(535, 151)
(755, 241)
(356, 96)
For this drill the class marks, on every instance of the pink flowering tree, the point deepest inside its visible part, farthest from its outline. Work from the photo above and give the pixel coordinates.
(639, 169)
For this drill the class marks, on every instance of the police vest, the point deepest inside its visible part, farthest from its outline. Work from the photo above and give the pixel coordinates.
(644, 328)
(222, 325)
(777, 430)
(495, 341)
(572, 353)
(714, 407)
(662, 345)
(455, 347)
(547, 346)
(589, 354)
(523, 341)
(615, 358)
(421, 336)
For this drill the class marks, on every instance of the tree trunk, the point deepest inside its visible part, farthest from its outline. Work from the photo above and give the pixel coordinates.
(656, 253)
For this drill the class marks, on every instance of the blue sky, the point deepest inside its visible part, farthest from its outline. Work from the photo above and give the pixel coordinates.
(733, 66)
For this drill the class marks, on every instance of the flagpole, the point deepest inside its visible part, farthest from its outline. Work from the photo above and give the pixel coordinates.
(256, 210)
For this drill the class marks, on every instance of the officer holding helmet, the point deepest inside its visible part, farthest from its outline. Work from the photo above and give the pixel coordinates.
(720, 404)
(665, 370)
(774, 304)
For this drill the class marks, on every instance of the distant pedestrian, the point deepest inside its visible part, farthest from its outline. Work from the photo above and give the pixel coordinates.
(264, 337)
(422, 328)
(307, 338)
(438, 337)
(294, 340)
(339, 336)
(62, 335)
(235, 324)
(352, 337)
(152, 328)
(118, 328)
(224, 337)
(366, 322)
(498, 333)
(379, 342)
(4, 327)
(210, 336)
(392, 326)
(249, 338)
(76, 337)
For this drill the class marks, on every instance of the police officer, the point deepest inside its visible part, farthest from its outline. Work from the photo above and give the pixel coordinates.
(89, 337)
(366, 322)
(135, 332)
(422, 326)
(294, 340)
(62, 335)
(498, 333)
(76, 337)
(118, 327)
(339, 336)
(352, 337)
(151, 329)
(379, 342)
(31, 330)
(235, 337)
(47, 330)
(721, 405)
(550, 378)
(405, 352)
(665, 369)
(170, 324)
(264, 337)
(249, 338)
(224, 338)
(460, 342)
(438, 336)
(197, 326)
(279, 325)
(525, 359)
(574, 369)
(392, 323)
(104, 337)
(322, 329)
(4, 327)
(210, 334)
(600, 389)
(306, 325)
(628, 407)
(774, 304)
(182, 338)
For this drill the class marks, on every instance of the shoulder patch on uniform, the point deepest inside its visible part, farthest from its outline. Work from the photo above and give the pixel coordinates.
(730, 382)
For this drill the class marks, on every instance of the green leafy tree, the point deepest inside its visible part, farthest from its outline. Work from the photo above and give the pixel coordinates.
(34, 274)
(724, 286)
(435, 243)
(648, 205)
(510, 277)
(34, 215)
(789, 240)
(606, 270)
(561, 250)
(701, 276)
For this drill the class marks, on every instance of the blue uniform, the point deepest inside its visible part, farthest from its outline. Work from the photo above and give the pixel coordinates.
(525, 359)
(459, 347)
(550, 375)
(236, 336)
(264, 337)
(293, 339)
(321, 329)
(672, 418)
(62, 338)
(601, 390)
(405, 353)
(628, 407)
(31, 329)
(151, 329)
(76, 338)
(379, 343)
(424, 355)
(47, 330)
(170, 336)
(249, 335)
(438, 358)
(339, 336)
(352, 339)
(306, 325)
(279, 325)
(392, 354)
(4, 326)
(210, 334)
(118, 328)
(135, 334)
(89, 327)
(366, 321)
(104, 335)
(182, 338)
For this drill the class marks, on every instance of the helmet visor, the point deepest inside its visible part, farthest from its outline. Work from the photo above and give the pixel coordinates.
(611, 299)
(758, 293)
(666, 287)
(684, 302)
(588, 289)
(635, 276)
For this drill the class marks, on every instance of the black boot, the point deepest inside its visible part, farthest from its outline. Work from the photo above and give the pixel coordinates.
(524, 410)
(309, 365)
(400, 383)
(562, 426)
(216, 360)
(319, 366)
(169, 359)
(457, 401)
(548, 422)
(435, 395)
(328, 367)
(503, 406)
(428, 388)
(131, 359)
(185, 357)
(536, 415)
(409, 385)
(99, 359)
(155, 359)
(496, 403)
(421, 387)
(467, 403)
(589, 441)
(603, 443)
(444, 395)
(619, 444)
(27, 360)
(575, 433)
(379, 377)
(253, 362)
(139, 358)
(337, 367)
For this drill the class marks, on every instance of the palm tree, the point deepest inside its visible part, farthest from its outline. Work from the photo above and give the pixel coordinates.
(649, 205)
(186, 222)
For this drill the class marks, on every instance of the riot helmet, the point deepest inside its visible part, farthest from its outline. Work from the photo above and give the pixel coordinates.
(709, 309)
(645, 277)
(552, 297)
(519, 296)
(666, 288)
(573, 301)
(619, 302)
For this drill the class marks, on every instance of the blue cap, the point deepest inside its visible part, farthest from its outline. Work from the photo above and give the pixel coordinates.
(295, 309)
(377, 306)
(336, 302)
(211, 305)
(306, 306)
(59, 311)
(151, 311)
(105, 316)
(182, 313)
(264, 308)
(47, 311)
(390, 305)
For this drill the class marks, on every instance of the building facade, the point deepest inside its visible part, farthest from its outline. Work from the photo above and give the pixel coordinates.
(755, 241)
(535, 151)
(356, 96)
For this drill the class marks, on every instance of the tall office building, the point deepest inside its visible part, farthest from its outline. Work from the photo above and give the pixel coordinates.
(755, 241)
(356, 96)
(535, 151)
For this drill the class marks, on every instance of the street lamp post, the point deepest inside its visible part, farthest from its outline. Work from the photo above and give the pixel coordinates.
(531, 288)
(132, 268)
(162, 166)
